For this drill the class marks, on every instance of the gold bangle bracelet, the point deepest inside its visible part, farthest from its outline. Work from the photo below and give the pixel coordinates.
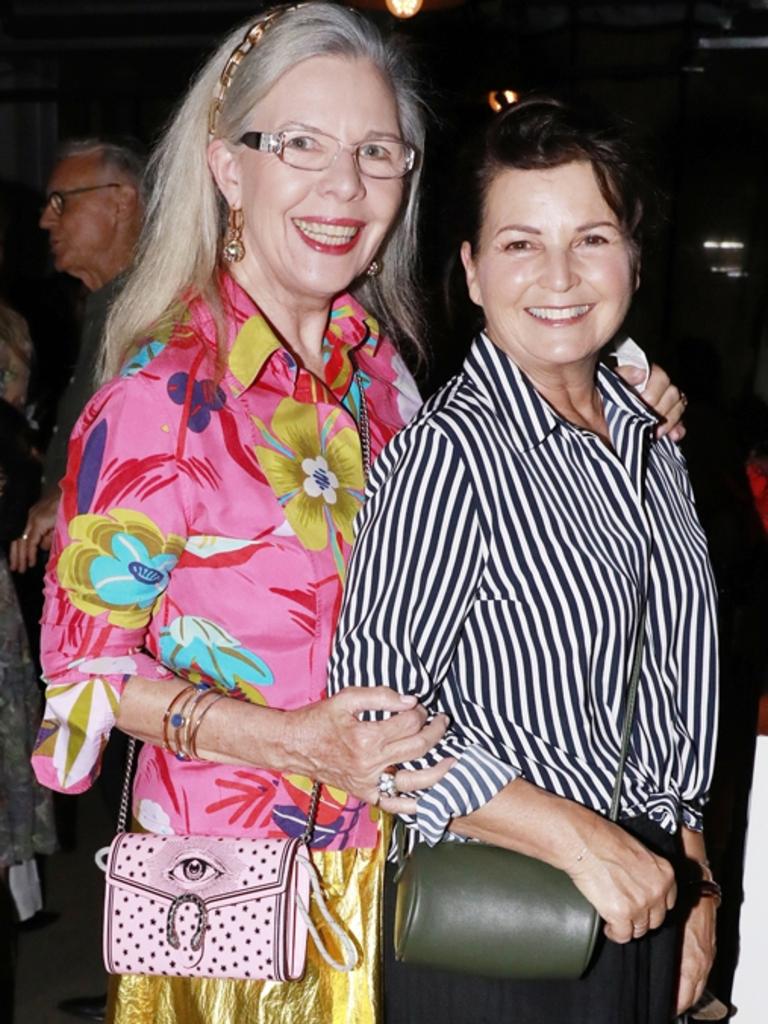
(184, 745)
(203, 712)
(182, 694)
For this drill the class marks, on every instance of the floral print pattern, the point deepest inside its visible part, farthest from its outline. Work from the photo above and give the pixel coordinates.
(120, 563)
(202, 651)
(203, 397)
(316, 473)
(205, 524)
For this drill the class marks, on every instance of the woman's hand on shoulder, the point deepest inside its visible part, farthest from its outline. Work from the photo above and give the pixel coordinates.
(664, 397)
(630, 887)
(328, 741)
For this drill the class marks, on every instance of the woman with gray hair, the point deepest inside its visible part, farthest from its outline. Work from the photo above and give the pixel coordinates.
(207, 510)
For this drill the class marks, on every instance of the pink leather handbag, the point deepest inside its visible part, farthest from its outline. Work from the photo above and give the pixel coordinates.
(206, 907)
(213, 906)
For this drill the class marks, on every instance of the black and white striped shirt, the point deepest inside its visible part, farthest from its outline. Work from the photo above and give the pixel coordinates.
(499, 574)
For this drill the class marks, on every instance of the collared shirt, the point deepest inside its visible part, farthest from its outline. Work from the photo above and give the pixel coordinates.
(499, 574)
(204, 530)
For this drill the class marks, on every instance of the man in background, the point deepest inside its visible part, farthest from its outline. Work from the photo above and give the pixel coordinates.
(93, 214)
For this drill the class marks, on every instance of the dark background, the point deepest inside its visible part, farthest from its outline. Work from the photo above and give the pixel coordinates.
(692, 76)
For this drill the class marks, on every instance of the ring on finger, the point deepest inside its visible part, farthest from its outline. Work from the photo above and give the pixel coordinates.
(25, 536)
(386, 784)
(684, 398)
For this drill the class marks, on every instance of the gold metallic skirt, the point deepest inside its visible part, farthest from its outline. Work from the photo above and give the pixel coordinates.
(353, 883)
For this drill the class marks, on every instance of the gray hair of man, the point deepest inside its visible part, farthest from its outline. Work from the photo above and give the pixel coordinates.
(124, 155)
(181, 243)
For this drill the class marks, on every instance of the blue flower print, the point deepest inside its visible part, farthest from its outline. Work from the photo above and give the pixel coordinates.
(206, 398)
(118, 564)
(130, 577)
(195, 646)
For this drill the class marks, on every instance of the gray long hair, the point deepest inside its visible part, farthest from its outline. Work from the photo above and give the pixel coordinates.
(186, 215)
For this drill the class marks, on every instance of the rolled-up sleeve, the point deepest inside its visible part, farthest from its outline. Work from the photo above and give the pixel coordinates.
(120, 531)
(413, 576)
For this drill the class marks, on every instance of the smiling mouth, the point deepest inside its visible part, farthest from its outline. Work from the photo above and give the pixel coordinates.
(557, 315)
(335, 236)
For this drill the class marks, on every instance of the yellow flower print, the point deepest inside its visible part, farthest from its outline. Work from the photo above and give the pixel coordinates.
(119, 563)
(316, 474)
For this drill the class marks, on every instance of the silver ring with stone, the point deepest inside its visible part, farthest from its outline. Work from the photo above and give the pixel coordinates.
(386, 784)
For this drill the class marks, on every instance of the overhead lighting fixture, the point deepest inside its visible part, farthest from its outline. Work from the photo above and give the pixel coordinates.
(729, 271)
(404, 8)
(500, 99)
(727, 244)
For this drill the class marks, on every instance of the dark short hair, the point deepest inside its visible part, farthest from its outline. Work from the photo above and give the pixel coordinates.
(542, 132)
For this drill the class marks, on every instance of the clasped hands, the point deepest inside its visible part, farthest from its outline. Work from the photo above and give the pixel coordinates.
(335, 745)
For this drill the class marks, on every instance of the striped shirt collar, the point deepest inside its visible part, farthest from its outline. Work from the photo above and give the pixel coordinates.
(506, 388)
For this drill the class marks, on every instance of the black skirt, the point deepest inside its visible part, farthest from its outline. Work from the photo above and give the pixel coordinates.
(633, 983)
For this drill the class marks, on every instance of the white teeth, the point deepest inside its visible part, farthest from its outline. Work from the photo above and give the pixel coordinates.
(557, 313)
(327, 234)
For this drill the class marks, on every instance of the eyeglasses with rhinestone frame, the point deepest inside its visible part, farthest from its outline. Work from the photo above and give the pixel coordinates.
(309, 150)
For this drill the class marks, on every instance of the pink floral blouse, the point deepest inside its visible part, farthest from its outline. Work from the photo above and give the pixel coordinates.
(204, 530)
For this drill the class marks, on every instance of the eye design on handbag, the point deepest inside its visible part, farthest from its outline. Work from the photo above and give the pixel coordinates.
(194, 871)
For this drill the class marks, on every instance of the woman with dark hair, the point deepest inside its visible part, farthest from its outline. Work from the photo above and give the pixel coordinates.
(520, 538)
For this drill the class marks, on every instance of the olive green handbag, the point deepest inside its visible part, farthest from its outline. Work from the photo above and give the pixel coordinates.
(485, 910)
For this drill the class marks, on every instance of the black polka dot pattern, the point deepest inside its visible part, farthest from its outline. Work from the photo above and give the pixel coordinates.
(205, 906)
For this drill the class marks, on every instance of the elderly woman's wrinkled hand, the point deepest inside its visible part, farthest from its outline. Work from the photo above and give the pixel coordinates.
(332, 744)
(630, 887)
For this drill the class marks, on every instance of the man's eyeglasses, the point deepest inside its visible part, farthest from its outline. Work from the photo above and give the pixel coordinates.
(315, 151)
(57, 200)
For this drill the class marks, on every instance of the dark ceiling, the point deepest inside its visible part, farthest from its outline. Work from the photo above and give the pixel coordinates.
(693, 76)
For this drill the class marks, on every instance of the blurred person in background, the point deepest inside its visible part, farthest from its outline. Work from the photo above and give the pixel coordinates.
(26, 808)
(93, 214)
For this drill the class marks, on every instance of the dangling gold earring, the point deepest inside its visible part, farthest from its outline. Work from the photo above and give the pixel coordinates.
(234, 250)
(374, 269)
